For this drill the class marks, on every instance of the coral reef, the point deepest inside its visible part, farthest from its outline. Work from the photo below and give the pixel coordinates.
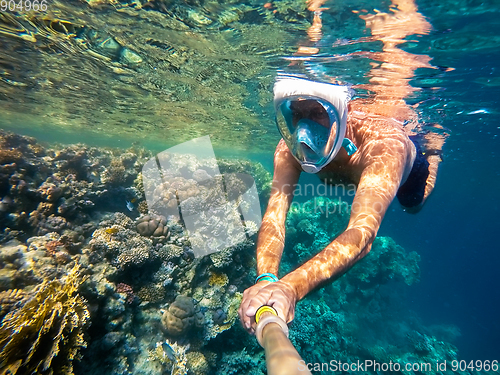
(241, 362)
(60, 191)
(389, 261)
(197, 363)
(122, 246)
(45, 332)
(361, 314)
(218, 279)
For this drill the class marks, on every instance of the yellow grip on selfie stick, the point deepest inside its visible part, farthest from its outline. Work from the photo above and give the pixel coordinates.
(263, 309)
(272, 333)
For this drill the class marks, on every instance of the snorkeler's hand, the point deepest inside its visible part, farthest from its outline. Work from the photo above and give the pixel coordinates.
(279, 295)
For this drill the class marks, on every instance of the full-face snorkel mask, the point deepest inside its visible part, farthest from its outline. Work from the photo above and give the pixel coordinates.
(312, 119)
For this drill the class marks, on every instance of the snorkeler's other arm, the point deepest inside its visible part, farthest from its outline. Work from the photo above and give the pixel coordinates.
(271, 238)
(383, 168)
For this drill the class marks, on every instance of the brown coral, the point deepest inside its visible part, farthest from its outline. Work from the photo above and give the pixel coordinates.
(182, 316)
(49, 192)
(115, 173)
(53, 247)
(152, 293)
(126, 289)
(57, 250)
(152, 225)
(10, 156)
(45, 334)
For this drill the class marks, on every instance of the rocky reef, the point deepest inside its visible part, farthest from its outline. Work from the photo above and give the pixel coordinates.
(76, 217)
(95, 281)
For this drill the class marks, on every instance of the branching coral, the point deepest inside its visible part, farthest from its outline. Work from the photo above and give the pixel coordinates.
(218, 279)
(45, 333)
(124, 246)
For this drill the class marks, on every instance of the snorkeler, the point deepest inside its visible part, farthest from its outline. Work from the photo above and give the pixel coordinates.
(366, 142)
(320, 135)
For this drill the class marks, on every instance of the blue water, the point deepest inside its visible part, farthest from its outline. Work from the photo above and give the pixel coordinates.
(456, 234)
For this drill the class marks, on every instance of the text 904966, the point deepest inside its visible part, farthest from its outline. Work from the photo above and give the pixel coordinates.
(23, 5)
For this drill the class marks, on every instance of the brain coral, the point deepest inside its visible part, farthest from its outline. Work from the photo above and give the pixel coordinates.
(182, 316)
(152, 225)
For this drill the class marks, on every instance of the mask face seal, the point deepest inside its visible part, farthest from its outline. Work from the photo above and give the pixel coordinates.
(309, 126)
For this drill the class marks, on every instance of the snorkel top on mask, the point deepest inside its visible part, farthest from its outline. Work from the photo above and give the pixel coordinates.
(312, 119)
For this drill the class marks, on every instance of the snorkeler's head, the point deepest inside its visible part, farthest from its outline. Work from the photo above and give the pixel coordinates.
(312, 119)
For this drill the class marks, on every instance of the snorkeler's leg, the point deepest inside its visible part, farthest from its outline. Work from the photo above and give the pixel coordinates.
(433, 143)
(434, 161)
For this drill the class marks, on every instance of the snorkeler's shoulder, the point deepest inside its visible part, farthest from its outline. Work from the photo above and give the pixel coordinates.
(372, 133)
(381, 145)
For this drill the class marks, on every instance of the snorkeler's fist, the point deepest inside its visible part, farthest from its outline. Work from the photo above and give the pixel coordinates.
(279, 295)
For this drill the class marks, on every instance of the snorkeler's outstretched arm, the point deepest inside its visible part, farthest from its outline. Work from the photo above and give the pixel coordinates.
(271, 238)
(383, 164)
(270, 244)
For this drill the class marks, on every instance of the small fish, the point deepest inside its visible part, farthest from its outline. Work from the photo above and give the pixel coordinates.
(130, 206)
(479, 111)
(112, 230)
(168, 350)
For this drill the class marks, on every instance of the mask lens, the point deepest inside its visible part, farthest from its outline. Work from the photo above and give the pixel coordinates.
(309, 128)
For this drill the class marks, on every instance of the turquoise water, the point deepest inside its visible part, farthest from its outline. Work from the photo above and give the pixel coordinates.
(145, 76)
